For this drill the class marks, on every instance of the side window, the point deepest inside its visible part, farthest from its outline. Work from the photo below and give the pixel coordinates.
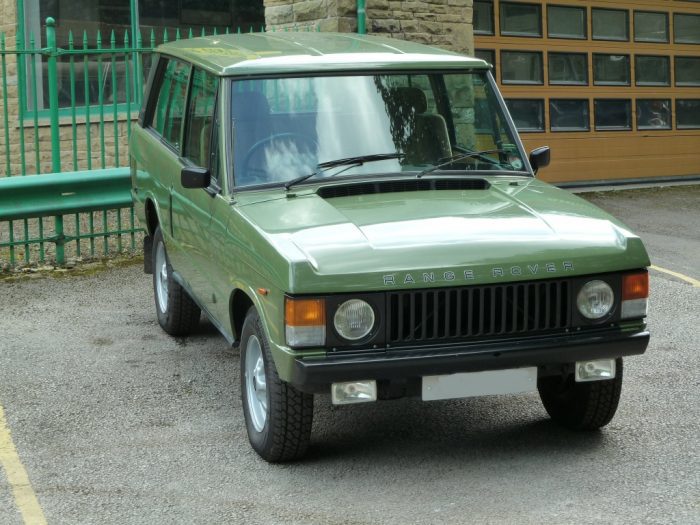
(200, 119)
(170, 106)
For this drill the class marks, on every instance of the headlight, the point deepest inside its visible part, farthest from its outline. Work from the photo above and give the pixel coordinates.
(595, 300)
(354, 319)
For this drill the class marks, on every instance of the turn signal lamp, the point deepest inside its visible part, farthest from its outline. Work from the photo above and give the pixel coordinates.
(635, 292)
(305, 322)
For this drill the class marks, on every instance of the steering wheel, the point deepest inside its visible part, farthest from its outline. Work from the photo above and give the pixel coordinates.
(259, 172)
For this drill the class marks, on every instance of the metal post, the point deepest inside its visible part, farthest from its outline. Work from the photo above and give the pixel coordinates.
(361, 27)
(55, 130)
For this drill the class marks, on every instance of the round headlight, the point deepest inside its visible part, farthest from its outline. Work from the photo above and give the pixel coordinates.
(354, 319)
(595, 300)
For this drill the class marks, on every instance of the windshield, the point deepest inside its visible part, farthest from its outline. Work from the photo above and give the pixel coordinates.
(283, 128)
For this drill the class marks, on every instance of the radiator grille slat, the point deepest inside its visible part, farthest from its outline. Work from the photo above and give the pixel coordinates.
(437, 315)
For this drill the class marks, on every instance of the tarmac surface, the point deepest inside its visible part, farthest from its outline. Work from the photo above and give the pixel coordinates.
(116, 422)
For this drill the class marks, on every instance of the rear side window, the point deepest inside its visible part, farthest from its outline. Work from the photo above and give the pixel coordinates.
(200, 118)
(170, 105)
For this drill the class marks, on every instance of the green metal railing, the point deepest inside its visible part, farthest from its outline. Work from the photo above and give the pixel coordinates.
(70, 109)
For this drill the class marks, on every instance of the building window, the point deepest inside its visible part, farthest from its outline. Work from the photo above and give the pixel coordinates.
(527, 114)
(521, 67)
(566, 22)
(650, 27)
(521, 19)
(653, 113)
(568, 68)
(611, 70)
(686, 28)
(610, 24)
(569, 115)
(489, 55)
(687, 71)
(613, 114)
(483, 17)
(652, 70)
(688, 113)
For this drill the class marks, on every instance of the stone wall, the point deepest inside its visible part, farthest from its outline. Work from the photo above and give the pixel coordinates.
(442, 23)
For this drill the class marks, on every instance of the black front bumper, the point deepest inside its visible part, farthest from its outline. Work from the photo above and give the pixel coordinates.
(316, 374)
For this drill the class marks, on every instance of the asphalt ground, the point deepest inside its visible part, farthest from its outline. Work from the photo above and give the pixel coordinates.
(113, 421)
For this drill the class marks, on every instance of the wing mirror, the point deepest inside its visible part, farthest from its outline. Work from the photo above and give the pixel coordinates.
(195, 177)
(539, 158)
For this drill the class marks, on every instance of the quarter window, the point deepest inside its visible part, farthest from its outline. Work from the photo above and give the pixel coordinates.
(521, 67)
(687, 71)
(650, 27)
(521, 19)
(528, 115)
(200, 118)
(653, 114)
(610, 24)
(652, 70)
(613, 114)
(611, 69)
(686, 28)
(688, 113)
(566, 22)
(170, 106)
(568, 68)
(569, 115)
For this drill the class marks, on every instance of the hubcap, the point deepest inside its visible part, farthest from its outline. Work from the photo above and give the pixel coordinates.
(255, 383)
(161, 269)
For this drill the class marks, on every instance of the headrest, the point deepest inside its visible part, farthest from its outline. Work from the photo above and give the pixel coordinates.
(411, 97)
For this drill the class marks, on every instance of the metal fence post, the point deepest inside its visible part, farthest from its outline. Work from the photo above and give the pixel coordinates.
(52, 51)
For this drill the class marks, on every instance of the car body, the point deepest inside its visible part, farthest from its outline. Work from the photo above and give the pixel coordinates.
(359, 215)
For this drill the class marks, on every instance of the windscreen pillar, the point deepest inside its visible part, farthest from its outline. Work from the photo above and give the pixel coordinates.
(442, 23)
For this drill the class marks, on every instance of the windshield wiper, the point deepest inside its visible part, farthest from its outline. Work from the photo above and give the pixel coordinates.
(481, 155)
(350, 162)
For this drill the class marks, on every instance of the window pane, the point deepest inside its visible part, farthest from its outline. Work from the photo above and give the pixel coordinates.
(687, 113)
(521, 19)
(653, 114)
(198, 14)
(566, 22)
(568, 68)
(611, 69)
(613, 114)
(483, 17)
(650, 27)
(686, 28)
(489, 55)
(528, 115)
(688, 71)
(521, 67)
(170, 107)
(568, 115)
(652, 70)
(610, 24)
(200, 118)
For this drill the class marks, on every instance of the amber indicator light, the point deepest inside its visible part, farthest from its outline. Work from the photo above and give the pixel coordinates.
(635, 286)
(304, 312)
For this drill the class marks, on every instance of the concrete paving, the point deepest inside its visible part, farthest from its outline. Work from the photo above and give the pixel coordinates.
(116, 422)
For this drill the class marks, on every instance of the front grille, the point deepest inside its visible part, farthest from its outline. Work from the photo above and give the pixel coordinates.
(452, 314)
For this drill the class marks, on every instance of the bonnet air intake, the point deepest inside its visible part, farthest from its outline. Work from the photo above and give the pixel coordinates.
(400, 186)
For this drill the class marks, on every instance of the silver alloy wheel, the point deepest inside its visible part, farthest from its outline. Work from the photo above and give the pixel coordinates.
(161, 268)
(255, 383)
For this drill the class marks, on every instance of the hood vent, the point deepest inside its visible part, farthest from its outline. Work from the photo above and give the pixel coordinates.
(400, 186)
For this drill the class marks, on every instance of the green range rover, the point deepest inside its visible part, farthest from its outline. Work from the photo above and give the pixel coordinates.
(358, 216)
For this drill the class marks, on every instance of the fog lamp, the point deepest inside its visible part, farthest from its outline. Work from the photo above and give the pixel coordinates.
(594, 370)
(595, 300)
(354, 392)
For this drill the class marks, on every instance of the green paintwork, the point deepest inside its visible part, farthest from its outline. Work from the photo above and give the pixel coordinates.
(296, 242)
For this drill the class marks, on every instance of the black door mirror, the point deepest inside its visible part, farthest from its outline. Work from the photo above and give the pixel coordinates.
(195, 177)
(539, 158)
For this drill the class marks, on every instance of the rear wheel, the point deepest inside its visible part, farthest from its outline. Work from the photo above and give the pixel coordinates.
(177, 313)
(278, 417)
(581, 406)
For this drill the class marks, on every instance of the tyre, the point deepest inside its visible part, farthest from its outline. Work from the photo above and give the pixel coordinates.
(278, 417)
(177, 313)
(581, 406)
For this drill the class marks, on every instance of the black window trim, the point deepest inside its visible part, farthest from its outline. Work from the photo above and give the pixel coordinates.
(651, 128)
(608, 82)
(651, 84)
(493, 19)
(567, 82)
(675, 75)
(627, 24)
(668, 27)
(518, 33)
(587, 129)
(585, 22)
(675, 39)
(521, 82)
(682, 127)
(614, 128)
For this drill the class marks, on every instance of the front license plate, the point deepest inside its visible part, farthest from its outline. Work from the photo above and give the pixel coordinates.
(492, 382)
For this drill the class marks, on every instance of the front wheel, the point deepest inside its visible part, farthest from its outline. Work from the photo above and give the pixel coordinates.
(278, 417)
(581, 406)
(177, 313)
